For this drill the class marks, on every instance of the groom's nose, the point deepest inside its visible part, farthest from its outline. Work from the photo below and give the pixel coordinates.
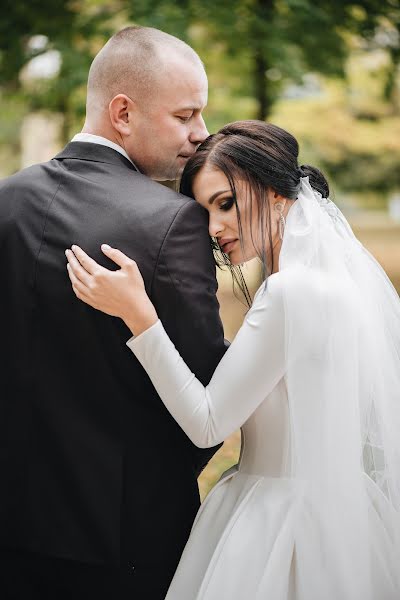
(199, 132)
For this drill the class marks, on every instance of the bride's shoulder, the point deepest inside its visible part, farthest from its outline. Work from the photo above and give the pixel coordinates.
(268, 300)
(304, 285)
(319, 294)
(278, 284)
(269, 290)
(314, 281)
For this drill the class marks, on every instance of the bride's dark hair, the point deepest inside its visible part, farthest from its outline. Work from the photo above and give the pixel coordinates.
(264, 156)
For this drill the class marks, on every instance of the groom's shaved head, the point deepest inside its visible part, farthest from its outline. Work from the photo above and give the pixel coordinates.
(133, 62)
(146, 92)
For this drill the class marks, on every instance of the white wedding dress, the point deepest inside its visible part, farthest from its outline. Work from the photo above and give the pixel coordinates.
(298, 519)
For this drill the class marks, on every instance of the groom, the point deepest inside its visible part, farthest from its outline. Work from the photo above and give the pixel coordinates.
(98, 482)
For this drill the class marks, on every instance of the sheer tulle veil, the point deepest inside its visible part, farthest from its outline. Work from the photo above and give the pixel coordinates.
(342, 331)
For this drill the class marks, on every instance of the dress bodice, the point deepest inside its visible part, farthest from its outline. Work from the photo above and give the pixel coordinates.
(265, 437)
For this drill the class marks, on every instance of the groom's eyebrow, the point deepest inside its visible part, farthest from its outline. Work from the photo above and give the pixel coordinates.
(214, 196)
(192, 107)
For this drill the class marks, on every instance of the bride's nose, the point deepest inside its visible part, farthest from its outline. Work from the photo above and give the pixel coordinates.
(215, 226)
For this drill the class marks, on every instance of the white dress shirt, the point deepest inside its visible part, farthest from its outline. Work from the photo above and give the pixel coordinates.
(98, 139)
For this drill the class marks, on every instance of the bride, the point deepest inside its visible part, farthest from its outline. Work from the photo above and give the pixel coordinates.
(312, 377)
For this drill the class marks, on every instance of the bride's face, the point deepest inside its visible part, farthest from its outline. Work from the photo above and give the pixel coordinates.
(212, 190)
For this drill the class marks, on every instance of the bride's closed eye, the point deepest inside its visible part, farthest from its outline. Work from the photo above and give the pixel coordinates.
(226, 204)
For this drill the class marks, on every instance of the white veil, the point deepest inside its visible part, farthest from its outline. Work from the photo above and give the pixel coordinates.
(342, 328)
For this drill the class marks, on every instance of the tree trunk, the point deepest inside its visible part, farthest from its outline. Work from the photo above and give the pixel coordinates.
(264, 102)
(263, 21)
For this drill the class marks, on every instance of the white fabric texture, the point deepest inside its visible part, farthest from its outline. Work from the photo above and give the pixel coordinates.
(313, 376)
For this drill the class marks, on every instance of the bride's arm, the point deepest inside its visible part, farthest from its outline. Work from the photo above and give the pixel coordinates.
(248, 372)
(250, 369)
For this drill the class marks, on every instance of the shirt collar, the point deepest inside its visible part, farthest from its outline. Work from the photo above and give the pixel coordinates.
(98, 139)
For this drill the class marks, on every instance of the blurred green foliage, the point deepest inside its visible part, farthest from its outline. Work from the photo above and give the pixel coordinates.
(259, 55)
(358, 153)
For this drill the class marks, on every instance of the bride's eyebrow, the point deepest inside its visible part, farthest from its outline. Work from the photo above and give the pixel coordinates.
(215, 195)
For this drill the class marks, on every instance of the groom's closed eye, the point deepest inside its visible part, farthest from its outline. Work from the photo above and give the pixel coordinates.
(184, 118)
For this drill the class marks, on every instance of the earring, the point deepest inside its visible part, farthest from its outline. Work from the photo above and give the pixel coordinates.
(279, 206)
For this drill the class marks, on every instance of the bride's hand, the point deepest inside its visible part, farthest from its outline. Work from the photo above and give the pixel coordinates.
(118, 293)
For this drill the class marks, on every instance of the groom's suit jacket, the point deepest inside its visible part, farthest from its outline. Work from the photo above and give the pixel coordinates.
(92, 466)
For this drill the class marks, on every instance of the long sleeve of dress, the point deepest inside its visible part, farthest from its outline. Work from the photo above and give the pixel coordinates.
(248, 372)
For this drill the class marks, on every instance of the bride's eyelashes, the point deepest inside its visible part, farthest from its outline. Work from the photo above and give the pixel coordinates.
(226, 204)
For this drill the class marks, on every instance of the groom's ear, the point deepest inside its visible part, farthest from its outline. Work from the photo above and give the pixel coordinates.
(121, 109)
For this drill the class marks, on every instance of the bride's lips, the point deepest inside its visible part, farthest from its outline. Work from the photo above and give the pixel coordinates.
(227, 244)
(185, 156)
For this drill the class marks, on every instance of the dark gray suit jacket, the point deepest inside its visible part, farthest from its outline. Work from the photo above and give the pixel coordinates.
(92, 466)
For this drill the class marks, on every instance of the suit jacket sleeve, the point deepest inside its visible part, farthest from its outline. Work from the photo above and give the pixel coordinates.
(184, 293)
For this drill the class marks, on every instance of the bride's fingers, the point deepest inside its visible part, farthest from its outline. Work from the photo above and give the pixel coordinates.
(128, 265)
(87, 263)
(75, 267)
(78, 287)
(117, 256)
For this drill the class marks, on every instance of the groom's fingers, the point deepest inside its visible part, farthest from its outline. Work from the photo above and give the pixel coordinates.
(87, 263)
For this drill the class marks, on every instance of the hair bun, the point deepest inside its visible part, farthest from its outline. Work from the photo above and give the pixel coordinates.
(317, 179)
(301, 172)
